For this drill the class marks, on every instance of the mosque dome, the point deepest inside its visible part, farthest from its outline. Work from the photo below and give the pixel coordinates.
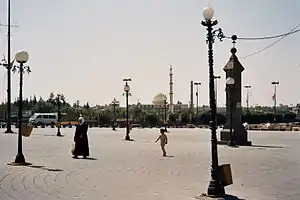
(159, 99)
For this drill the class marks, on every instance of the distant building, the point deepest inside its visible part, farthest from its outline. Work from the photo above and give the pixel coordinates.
(157, 106)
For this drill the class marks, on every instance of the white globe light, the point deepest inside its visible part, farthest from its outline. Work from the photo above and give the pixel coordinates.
(22, 57)
(230, 81)
(208, 12)
(127, 88)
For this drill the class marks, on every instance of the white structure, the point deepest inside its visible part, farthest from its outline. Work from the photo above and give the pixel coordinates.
(160, 104)
(159, 100)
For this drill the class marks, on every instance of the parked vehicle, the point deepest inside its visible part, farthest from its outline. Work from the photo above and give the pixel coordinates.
(43, 119)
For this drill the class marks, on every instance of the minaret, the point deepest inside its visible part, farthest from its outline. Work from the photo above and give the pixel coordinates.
(171, 107)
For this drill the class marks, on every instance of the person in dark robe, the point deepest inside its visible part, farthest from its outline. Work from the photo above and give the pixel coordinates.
(81, 139)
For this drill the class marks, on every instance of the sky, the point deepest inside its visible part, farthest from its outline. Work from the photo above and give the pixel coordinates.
(84, 49)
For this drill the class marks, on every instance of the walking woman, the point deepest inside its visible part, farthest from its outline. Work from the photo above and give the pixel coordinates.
(81, 140)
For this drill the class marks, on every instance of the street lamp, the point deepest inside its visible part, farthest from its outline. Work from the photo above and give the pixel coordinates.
(275, 83)
(59, 99)
(197, 97)
(230, 84)
(165, 112)
(21, 57)
(248, 87)
(215, 187)
(127, 90)
(114, 103)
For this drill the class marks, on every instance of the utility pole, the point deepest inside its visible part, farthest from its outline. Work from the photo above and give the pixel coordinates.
(275, 83)
(197, 84)
(8, 66)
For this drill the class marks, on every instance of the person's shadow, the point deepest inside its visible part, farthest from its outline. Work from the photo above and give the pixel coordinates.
(45, 168)
(170, 156)
(90, 158)
(87, 158)
(224, 197)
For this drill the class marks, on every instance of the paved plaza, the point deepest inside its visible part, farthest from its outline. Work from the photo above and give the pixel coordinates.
(135, 170)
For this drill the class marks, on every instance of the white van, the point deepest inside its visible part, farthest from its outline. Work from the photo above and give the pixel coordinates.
(43, 118)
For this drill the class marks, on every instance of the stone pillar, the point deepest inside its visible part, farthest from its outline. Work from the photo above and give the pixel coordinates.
(234, 70)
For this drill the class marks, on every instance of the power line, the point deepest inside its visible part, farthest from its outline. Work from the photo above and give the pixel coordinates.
(269, 37)
(272, 44)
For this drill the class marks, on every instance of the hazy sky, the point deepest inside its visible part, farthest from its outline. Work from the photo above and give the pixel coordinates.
(85, 48)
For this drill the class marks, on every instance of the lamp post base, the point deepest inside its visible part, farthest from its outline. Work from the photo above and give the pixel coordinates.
(232, 144)
(240, 136)
(8, 131)
(215, 189)
(20, 159)
(223, 197)
(58, 133)
(127, 138)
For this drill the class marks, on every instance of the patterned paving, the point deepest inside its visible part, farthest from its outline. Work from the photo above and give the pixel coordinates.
(122, 170)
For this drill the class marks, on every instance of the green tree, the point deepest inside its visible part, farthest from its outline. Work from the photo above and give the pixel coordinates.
(86, 106)
(289, 117)
(185, 118)
(34, 101)
(152, 119)
(105, 117)
(136, 113)
(51, 98)
(173, 117)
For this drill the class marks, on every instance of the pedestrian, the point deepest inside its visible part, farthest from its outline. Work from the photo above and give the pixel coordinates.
(163, 140)
(81, 146)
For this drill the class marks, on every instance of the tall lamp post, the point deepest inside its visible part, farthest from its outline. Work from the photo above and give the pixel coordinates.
(230, 84)
(215, 187)
(21, 57)
(275, 83)
(248, 87)
(59, 100)
(127, 90)
(114, 104)
(197, 84)
(165, 112)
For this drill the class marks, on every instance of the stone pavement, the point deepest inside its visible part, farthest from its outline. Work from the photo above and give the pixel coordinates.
(123, 170)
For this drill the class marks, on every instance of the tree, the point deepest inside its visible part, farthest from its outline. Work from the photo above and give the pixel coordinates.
(51, 98)
(151, 119)
(136, 113)
(185, 118)
(71, 113)
(86, 106)
(34, 101)
(173, 118)
(105, 117)
(289, 117)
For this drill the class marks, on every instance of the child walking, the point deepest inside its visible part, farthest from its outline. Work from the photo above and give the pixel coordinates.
(163, 141)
